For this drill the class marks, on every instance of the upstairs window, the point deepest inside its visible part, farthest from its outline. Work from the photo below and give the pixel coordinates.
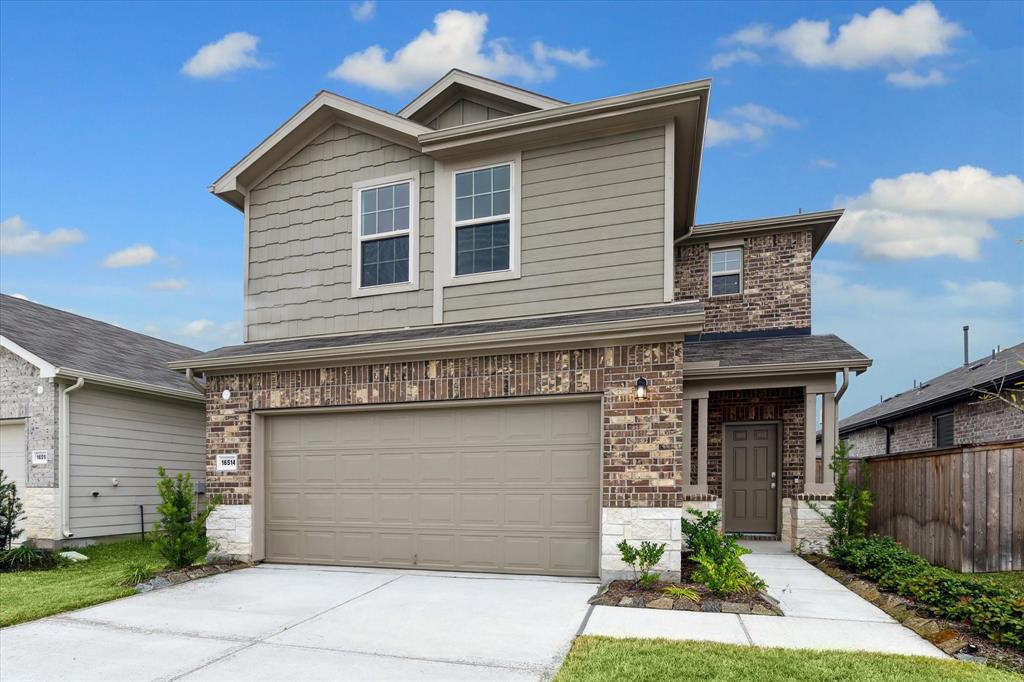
(726, 271)
(385, 216)
(483, 215)
(944, 430)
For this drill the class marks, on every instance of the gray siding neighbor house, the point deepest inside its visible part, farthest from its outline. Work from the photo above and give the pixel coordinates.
(485, 333)
(950, 410)
(88, 411)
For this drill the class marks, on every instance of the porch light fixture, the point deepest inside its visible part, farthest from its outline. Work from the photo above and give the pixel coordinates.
(226, 394)
(641, 388)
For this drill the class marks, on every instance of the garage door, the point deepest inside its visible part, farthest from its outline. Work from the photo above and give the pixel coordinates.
(12, 454)
(510, 488)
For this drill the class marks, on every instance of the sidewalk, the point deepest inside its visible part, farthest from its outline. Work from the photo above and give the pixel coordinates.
(820, 614)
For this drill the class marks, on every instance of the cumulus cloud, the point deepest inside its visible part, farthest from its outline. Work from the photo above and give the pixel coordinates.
(912, 79)
(168, 284)
(204, 330)
(746, 123)
(363, 11)
(197, 328)
(233, 52)
(18, 239)
(919, 215)
(827, 164)
(881, 38)
(457, 40)
(131, 257)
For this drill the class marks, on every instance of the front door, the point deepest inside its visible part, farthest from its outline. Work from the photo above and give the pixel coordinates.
(751, 478)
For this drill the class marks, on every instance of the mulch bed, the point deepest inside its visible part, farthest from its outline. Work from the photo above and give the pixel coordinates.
(183, 575)
(953, 637)
(628, 593)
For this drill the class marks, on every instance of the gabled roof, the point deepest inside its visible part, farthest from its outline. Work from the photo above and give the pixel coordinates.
(458, 83)
(957, 384)
(820, 223)
(63, 344)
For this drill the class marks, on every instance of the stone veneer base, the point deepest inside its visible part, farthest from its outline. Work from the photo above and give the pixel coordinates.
(42, 515)
(803, 528)
(230, 526)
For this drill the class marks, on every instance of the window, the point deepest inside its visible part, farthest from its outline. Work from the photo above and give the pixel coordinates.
(483, 219)
(944, 430)
(726, 271)
(385, 233)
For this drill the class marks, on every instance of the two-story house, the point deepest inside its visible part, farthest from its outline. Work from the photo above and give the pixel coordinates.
(485, 334)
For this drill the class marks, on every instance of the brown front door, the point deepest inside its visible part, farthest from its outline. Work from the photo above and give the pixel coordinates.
(751, 474)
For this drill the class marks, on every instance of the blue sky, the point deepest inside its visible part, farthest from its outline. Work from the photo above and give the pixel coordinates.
(910, 115)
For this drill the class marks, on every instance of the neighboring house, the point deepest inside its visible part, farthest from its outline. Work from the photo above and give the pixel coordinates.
(464, 339)
(88, 411)
(947, 411)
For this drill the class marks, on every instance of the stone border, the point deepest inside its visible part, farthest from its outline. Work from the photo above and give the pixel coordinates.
(770, 607)
(184, 575)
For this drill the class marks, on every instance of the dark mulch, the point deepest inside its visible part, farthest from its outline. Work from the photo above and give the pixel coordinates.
(951, 636)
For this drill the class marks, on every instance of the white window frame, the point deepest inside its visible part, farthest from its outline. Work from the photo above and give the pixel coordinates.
(514, 163)
(712, 274)
(413, 178)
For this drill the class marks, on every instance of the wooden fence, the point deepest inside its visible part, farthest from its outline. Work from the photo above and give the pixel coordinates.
(962, 508)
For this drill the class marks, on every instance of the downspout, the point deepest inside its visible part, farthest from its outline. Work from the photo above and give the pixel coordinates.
(64, 465)
(839, 396)
(888, 435)
(195, 383)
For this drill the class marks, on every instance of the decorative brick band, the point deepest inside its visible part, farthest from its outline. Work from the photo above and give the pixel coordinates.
(641, 438)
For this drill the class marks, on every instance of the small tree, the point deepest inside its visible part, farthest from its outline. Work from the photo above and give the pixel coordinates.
(848, 517)
(642, 559)
(11, 511)
(181, 532)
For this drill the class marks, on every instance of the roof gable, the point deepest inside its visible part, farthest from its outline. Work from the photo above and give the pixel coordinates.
(459, 85)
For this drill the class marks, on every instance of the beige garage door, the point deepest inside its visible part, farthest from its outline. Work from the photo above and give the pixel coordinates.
(510, 488)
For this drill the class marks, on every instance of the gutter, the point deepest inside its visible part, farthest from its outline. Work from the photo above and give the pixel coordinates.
(192, 380)
(695, 372)
(128, 385)
(64, 464)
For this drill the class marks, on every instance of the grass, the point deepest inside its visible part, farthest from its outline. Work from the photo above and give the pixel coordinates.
(593, 659)
(1011, 579)
(27, 595)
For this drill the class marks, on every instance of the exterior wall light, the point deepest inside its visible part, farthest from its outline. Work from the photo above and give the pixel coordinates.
(641, 388)
(226, 395)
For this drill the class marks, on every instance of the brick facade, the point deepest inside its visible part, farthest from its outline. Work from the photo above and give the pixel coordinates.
(641, 438)
(776, 284)
(783, 405)
(21, 399)
(974, 422)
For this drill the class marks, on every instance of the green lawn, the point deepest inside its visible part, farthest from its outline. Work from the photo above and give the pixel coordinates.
(639, 660)
(27, 595)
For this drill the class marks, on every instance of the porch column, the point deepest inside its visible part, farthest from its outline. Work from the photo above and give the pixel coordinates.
(828, 442)
(702, 446)
(701, 487)
(685, 451)
(828, 438)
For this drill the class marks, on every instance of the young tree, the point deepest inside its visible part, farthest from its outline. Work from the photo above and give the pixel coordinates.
(848, 517)
(181, 532)
(11, 511)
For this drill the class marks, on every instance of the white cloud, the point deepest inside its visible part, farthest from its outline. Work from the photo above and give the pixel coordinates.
(131, 257)
(457, 40)
(17, 239)
(883, 37)
(827, 164)
(723, 60)
(197, 328)
(232, 52)
(918, 215)
(363, 11)
(748, 123)
(912, 79)
(207, 332)
(168, 284)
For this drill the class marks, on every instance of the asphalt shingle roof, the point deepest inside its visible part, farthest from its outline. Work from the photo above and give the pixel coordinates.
(772, 350)
(73, 342)
(450, 331)
(957, 382)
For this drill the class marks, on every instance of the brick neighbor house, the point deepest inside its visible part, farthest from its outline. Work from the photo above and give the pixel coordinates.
(946, 411)
(485, 334)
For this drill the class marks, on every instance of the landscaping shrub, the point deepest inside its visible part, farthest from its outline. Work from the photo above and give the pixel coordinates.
(702, 534)
(28, 556)
(180, 534)
(991, 609)
(642, 559)
(135, 572)
(680, 592)
(11, 512)
(721, 569)
(848, 517)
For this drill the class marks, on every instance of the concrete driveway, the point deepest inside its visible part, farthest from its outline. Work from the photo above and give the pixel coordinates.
(279, 622)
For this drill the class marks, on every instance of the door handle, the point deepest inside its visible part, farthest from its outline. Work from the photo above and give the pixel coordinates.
(773, 485)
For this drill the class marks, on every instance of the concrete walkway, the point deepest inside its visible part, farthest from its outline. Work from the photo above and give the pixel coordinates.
(820, 614)
(279, 622)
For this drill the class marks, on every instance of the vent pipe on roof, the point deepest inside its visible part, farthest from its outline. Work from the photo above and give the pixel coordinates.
(967, 357)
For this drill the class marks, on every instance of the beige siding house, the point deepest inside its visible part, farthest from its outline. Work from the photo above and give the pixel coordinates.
(485, 333)
(88, 411)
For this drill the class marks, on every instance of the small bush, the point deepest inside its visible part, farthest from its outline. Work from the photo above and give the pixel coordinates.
(135, 572)
(680, 592)
(722, 571)
(641, 559)
(848, 518)
(702, 534)
(992, 610)
(11, 511)
(28, 556)
(180, 534)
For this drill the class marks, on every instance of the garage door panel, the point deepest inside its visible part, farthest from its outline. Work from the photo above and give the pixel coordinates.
(501, 488)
